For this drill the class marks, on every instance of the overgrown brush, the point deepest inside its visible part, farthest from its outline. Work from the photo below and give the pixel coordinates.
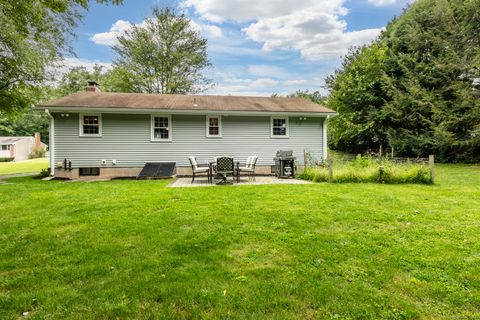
(370, 170)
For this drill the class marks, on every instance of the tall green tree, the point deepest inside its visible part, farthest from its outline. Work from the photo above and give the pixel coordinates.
(314, 96)
(33, 34)
(165, 55)
(358, 95)
(422, 96)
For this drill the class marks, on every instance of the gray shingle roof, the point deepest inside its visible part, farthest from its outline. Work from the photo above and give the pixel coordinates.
(94, 100)
(11, 140)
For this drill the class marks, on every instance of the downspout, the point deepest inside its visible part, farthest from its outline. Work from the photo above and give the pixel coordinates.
(325, 145)
(51, 142)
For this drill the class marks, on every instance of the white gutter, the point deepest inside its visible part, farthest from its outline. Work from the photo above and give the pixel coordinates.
(189, 112)
(325, 144)
(51, 142)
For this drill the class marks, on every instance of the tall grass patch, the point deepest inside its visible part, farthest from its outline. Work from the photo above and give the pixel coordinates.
(370, 170)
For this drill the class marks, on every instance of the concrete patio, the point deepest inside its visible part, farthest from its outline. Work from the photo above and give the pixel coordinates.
(203, 182)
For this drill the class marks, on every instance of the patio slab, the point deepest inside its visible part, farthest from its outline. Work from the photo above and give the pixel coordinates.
(202, 182)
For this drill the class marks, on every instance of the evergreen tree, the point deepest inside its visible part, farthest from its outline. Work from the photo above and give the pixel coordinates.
(423, 96)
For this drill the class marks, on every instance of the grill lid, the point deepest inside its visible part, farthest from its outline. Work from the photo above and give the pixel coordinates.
(284, 154)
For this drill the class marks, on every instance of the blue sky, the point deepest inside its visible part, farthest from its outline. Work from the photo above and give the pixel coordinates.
(257, 47)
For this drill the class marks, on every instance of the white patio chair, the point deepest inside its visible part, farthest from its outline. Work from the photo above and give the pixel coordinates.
(197, 170)
(249, 168)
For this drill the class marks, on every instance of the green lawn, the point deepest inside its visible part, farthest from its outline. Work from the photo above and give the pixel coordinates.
(26, 166)
(136, 249)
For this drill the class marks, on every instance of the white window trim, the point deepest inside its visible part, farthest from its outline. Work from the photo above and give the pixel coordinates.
(287, 132)
(170, 131)
(80, 127)
(208, 135)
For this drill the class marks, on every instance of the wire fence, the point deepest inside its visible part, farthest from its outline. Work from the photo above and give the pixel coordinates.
(338, 160)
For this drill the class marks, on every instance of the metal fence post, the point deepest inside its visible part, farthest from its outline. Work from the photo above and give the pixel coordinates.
(431, 165)
(330, 169)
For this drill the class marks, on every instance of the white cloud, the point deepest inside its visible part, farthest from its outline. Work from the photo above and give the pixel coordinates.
(265, 70)
(382, 2)
(296, 82)
(68, 63)
(209, 30)
(109, 38)
(263, 83)
(237, 80)
(315, 28)
(247, 10)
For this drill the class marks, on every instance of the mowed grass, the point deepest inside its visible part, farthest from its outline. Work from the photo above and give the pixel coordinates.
(25, 166)
(136, 249)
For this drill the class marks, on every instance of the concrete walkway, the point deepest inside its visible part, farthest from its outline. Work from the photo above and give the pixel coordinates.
(202, 182)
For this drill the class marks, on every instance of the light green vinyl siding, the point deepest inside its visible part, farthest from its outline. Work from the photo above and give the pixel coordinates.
(126, 138)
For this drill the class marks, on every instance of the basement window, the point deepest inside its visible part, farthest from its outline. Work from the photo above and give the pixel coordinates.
(85, 172)
(90, 125)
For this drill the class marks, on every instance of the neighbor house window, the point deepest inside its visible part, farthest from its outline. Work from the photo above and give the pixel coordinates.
(279, 126)
(90, 125)
(5, 147)
(161, 128)
(214, 126)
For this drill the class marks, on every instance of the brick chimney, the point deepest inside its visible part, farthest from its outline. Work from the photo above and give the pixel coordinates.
(38, 143)
(93, 86)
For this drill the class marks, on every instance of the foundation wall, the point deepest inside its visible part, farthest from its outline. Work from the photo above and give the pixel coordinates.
(108, 172)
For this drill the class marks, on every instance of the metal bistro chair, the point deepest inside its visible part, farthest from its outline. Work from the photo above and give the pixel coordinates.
(225, 167)
(249, 168)
(196, 169)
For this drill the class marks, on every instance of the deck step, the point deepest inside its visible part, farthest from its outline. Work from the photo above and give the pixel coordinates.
(158, 170)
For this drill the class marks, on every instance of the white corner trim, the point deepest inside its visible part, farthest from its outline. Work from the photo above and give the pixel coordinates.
(51, 143)
(80, 125)
(324, 138)
(170, 131)
(207, 123)
(287, 132)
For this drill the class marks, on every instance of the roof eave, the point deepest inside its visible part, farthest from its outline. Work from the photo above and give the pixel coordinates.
(181, 111)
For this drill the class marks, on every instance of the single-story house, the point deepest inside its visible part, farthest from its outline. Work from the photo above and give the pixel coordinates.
(20, 148)
(115, 134)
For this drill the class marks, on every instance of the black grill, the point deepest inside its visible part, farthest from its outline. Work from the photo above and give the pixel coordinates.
(284, 164)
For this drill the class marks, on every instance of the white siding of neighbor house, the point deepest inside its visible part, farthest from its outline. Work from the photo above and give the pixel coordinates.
(126, 139)
(4, 153)
(23, 149)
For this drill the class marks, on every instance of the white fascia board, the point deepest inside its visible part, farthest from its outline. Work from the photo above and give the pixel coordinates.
(190, 112)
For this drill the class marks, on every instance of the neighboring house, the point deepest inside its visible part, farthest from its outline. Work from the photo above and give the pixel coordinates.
(115, 134)
(20, 148)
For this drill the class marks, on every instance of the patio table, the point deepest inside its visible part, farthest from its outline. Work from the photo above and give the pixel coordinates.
(211, 164)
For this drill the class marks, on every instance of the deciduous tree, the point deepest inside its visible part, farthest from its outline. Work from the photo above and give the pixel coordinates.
(33, 34)
(166, 54)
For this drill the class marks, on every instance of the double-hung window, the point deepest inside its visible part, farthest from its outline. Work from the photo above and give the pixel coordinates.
(5, 147)
(161, 128)
(90, 125)
(279, 127)
(214, 126)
